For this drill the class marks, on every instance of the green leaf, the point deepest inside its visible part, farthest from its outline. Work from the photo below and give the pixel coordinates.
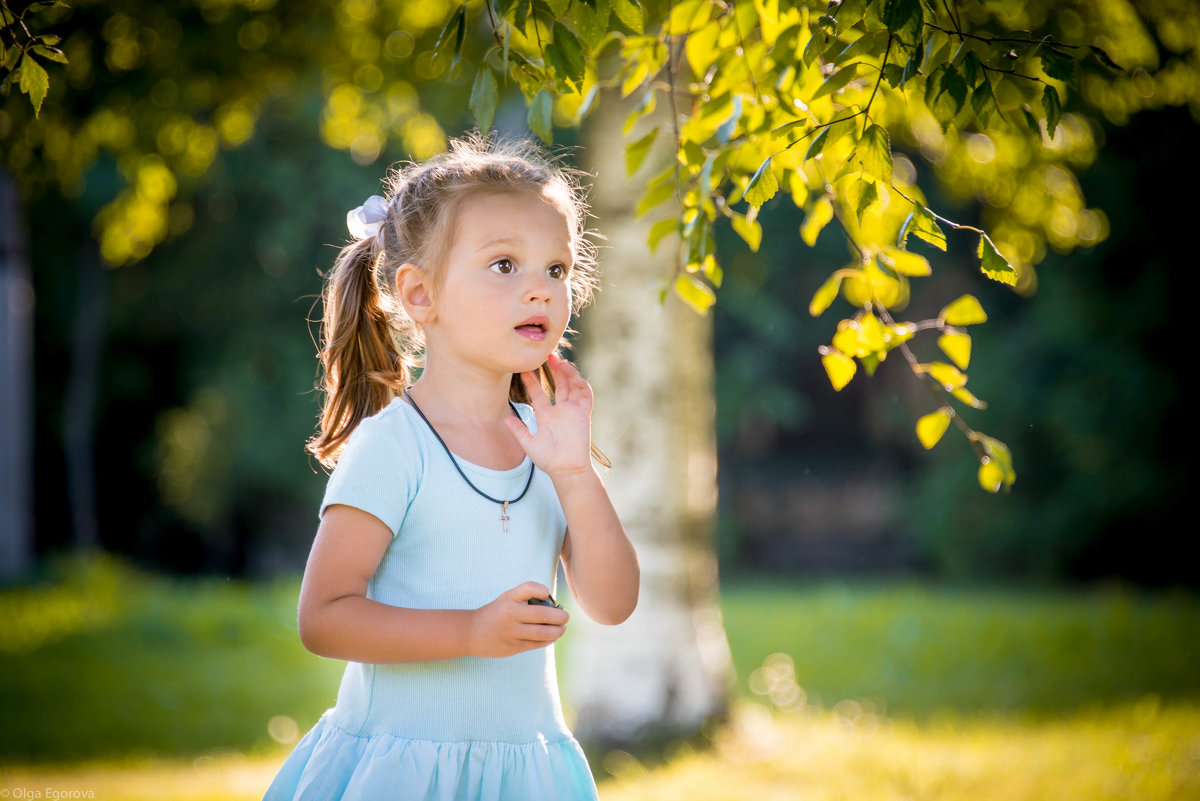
(875, 152)
(635, 152)
(485, 95)
(591, 21)
(950, 93)
(763, 185)
(631, 14)
(867, 44)
(1053, 107)
(1031, 120)
(825, 295)
(565, 55)
(932, 426)
(837, 80)
(966, 310)
(660, 188)
(913, 66)
(922, 223)
(992, 264)
(815, 47)
(541, 116)
(695, 292)
(453, 29)
(972, 69)
(905, 19)
(1058, 66)
(863, 194)
(660, 229)
(817, 144)
(33, 81)
(1104, 59)
(983, 102)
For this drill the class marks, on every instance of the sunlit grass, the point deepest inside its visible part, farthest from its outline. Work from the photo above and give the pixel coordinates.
(133, 686)
(1144, 751)
(1140, 752)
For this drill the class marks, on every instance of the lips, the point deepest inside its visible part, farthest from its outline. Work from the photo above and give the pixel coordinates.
(534, 328)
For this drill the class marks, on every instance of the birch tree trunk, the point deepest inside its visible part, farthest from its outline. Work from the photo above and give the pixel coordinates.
(667, 670)
(16, 388)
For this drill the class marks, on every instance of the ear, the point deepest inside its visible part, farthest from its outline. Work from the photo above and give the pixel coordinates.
(413, 288)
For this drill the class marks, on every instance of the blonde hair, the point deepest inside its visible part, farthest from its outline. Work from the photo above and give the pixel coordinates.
(369, 345)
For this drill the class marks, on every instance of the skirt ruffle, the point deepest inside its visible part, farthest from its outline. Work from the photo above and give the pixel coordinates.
(330, 764)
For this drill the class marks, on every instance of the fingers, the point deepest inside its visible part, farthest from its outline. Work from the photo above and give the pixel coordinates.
(534, 614)
(568, 381)
(530, 589)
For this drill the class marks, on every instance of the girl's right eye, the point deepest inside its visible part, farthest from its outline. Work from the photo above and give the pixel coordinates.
(503, 266)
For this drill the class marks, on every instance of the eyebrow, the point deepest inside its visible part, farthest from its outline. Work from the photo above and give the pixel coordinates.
(508, 240)
(500, 240)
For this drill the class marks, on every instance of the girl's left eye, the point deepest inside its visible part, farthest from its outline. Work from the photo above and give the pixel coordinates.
(503, 266)
(557, 271)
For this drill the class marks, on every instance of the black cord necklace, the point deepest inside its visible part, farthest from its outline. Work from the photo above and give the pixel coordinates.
(503, 504)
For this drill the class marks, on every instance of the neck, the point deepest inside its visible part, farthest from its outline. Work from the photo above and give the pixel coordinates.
(463, 396)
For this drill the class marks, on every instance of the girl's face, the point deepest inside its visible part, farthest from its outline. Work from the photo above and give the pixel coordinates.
(503, 299)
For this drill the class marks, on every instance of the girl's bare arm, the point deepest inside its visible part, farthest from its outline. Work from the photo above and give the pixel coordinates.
(338, 621)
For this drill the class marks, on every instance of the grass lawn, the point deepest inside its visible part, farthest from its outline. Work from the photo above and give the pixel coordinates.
(129, 686)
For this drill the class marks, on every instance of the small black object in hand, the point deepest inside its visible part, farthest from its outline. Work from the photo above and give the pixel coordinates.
(547, 601)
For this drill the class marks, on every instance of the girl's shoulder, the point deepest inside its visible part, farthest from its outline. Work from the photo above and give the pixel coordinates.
(390, 429)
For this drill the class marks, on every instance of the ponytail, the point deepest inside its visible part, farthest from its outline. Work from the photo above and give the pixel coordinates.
(362, 367)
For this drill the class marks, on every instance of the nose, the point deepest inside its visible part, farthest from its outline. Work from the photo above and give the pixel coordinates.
(539, 287)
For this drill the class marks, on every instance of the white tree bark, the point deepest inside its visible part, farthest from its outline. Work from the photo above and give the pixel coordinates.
(667, 670)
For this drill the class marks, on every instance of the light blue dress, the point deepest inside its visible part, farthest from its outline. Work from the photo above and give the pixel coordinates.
(466, 729)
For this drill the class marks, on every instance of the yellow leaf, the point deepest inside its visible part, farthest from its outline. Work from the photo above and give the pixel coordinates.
(949, 376)
(695, 293)
(957, 346)
(906, 262)
(900, 333)
(846, 340)
(996, 467)
(991, 477)
(825, 295)
(820, 214)
(964, 395)
(932, 426)
(871, 333)
(964, 311)
(838, 366)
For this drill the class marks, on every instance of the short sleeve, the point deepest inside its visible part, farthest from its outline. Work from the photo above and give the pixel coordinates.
(375, 473)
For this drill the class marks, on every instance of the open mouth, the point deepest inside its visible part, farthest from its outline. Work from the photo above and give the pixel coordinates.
(533, 328)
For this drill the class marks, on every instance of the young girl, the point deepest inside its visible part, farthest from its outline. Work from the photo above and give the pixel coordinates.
(455, 496)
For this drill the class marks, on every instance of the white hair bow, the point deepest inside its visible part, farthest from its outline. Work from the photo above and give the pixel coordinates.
(366, 220)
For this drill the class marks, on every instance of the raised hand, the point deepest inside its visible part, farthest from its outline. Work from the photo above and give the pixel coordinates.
(561, 447)
(511, 625)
